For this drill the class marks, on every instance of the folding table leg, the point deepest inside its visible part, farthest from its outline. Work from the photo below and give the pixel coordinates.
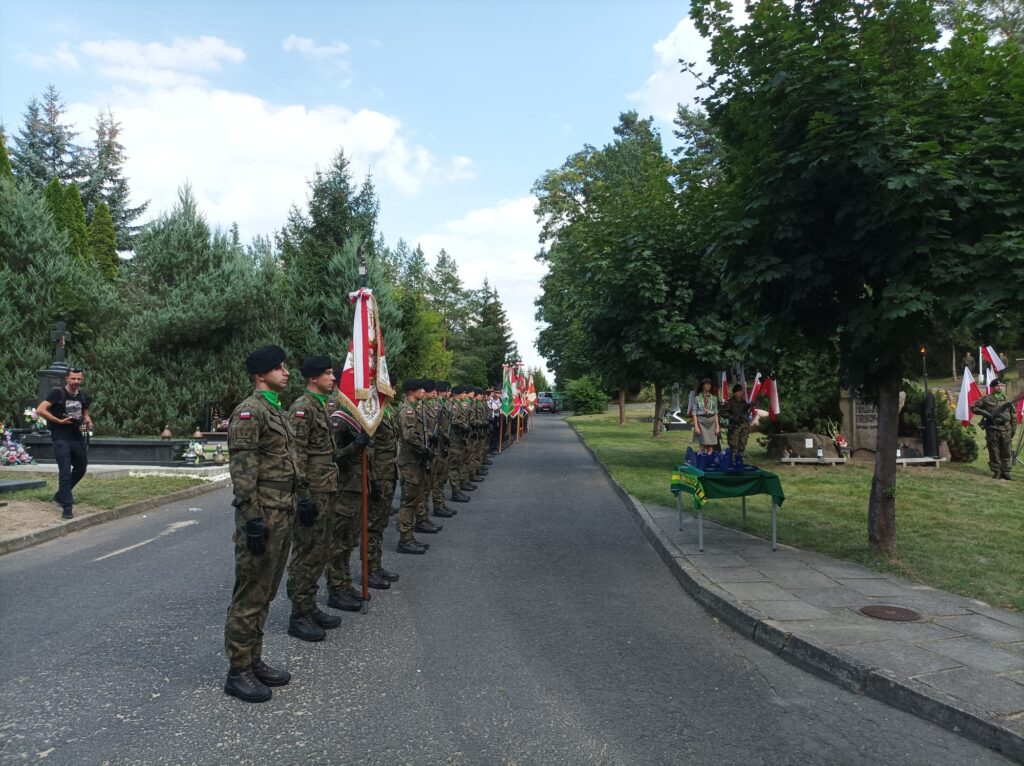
(775, 541)
(679, 509)
(700, 529)
(744, 513)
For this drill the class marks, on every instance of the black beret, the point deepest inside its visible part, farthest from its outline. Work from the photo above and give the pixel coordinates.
(412, 384)
(264, 359)
(444, 385)
(736, 387)
(428, 385)
(314, 366)
(478, 391)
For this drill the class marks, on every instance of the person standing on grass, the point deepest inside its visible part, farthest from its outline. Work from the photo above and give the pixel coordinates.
(66, 409)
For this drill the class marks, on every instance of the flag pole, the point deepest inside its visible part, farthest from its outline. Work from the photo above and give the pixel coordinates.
(501, 427)
(364, 553)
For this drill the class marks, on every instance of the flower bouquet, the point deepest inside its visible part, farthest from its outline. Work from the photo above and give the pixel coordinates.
(34, 419)
(11, 450)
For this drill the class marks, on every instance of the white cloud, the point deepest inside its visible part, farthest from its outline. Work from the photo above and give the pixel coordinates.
(61, 57)
(308, 47)
(248, 159)
(498, 243)
(668, 86)
(157, 64)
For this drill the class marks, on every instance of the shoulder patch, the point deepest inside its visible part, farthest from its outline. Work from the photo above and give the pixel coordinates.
(300, 413)
(244, 415)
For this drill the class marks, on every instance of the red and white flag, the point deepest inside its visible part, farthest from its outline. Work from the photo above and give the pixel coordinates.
(1020, 410)
(969, 394)
(723, 387)
(991, 376)
(993, 358)
(365, 385)
(756, 389)
(773, 399)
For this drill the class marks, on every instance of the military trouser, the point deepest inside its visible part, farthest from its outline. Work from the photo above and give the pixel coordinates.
(738, 436)
(438, 478)
(348, 527)
(424, 497)
(311, 547)
(412, 488)
(1000, 456)
(456, 463)
(379, 513)
(257, 579)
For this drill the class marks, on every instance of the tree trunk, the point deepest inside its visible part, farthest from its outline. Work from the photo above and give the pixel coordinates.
(622, 406)
(657, 410)
(882, 503)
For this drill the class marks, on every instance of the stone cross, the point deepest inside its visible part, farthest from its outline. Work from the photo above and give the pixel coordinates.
(60, 335)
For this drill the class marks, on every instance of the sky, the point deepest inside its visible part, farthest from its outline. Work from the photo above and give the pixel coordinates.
(455, 108)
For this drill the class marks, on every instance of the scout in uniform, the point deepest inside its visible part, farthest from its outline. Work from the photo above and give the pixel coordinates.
(266, 481)
(314, 453)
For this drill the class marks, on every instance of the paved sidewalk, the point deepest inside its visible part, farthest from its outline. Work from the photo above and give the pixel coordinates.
(961, 665)
(115, 471)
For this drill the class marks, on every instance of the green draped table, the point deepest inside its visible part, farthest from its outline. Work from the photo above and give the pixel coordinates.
(703, 486)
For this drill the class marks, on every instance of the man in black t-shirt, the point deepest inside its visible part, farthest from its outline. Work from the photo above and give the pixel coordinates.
(66, 409)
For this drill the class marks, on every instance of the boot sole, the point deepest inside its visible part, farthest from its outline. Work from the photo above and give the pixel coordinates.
(295, 634)
(274, 684)
(415, 553)
(385, 586)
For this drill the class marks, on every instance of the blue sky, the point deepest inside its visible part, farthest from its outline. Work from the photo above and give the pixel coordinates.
(455, 107)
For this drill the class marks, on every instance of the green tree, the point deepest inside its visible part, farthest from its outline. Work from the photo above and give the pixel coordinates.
(62, 156)
(28, 157)
(863, 190)
(105, 182)
(103, 242)
(447, 297)
(540, 380)
(5, 160)
(78, 229)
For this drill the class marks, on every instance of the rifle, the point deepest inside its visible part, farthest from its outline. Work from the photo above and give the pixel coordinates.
(995, 417)
(428, 462)
(448, 428)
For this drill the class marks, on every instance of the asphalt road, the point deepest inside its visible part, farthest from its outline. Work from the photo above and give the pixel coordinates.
(540, 628)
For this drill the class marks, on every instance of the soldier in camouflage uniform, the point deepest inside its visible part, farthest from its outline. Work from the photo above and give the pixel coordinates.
(458, 448)
(429, 409)
(350, 440)
(412, 452)
(314, 452)
(442, 454)
(266, 481)
(1000, 423)
(383, 474)
(736, 414)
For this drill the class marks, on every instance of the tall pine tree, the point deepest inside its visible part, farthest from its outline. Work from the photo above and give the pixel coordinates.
(103, 242)
(5, 160)
(28, 155)
(105, 182)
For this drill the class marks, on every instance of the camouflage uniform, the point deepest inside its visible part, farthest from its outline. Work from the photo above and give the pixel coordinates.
(458, 450)
(428, 416)
(314, 452)
(440, 464)
(266, 478)
(736, 414)
(412, 452)
(348, 524)
(383, 454)
(998, 435)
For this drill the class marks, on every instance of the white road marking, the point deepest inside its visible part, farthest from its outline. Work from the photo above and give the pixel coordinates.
(171, 529)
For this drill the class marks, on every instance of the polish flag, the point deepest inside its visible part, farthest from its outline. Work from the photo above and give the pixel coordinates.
(773, 398)
(1020, 410)
(990, 377)
(723, 387)
(755, 390)
(969, 394)
(993, 358)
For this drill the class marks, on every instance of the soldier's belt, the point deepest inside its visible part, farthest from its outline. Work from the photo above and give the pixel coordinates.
(280, 486)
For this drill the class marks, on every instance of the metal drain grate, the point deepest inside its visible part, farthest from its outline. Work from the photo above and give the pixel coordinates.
(886, 612)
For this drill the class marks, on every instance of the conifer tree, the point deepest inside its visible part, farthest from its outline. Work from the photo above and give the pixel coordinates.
(103, 242)
(105, 181)
(62, 156)
(28, 150)
(78, 229)
(5, 160)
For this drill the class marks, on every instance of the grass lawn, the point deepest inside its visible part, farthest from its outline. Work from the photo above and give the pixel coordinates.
(956, 528)
(101, 493)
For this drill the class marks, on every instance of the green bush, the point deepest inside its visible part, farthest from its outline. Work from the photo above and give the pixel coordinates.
(959, 438)
(586, 395)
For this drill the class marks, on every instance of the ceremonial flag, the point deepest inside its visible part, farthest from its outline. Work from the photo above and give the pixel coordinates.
(742, 378)
(1020, 410)
(993, 358)
(365, 385)
(990, 377)
(691, 402)
(773, 398)
(755, 390)
(531, 393)
(723, 387)
(969, 394)
(508, 392)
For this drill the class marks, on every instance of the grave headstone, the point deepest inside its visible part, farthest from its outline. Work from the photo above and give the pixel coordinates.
(53, 376)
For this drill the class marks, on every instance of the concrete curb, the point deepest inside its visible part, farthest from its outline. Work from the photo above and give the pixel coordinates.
(52, 533)
(824, 662)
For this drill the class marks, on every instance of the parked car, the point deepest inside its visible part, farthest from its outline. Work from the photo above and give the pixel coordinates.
(546, 404)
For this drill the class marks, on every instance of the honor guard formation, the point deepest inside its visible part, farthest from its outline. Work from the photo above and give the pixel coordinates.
(298, 489)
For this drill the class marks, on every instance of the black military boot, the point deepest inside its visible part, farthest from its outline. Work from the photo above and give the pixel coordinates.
(1006, 477)
(389, 576)
(344, 601)
(303, 628)
(467, 487)
(443, 512)
(269, 676)
(427, 527)
(324, 620)
(410, 546)
(242, 683)
(458, 497)
(377, 582)
(488, 461)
